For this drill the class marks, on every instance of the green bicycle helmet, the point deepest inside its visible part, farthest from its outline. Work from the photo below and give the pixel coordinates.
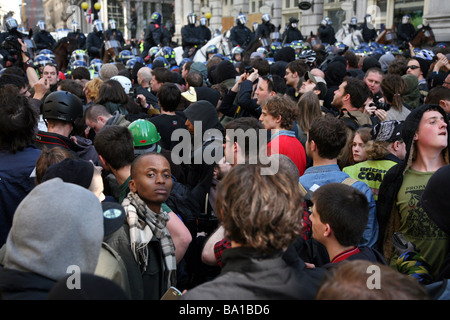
(144, 133)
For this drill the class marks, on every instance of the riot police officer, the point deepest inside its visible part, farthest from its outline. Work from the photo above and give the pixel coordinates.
(77, 35)
(204, 30)
(353, 25)
(291, 33)
(190, 37)
(326, 32)
(11, 30)
(113, 33)
(240, 34)
(43, 38)
(405, 31)
(265, 28)
(369, 33)
(156, 34)
(95, 40)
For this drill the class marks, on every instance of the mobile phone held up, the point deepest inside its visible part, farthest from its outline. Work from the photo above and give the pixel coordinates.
(171, 294)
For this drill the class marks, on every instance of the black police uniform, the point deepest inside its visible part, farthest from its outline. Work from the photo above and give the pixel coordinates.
(79, 37)
(155, 35)
(405, 33)
(44, 40)
(114, 34)
(190, 37)
(291, 34)
(368, 34)
(264, 30)
(205, 33)
(326, 34)
(241, 35)
(94, 44)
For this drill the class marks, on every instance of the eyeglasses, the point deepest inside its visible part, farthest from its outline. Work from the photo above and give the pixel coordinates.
(412, 67)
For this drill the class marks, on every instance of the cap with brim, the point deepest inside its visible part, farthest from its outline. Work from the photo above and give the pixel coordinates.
(190, 94)
(388, 131)
(113, 217)
(310, 76)
(195, 94)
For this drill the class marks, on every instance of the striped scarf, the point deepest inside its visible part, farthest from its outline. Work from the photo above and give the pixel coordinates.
(144, 224)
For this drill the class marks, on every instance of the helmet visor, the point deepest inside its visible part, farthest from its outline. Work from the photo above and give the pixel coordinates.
(41, 25)
(192, 19)
(98, 26)
(241, 19)
(11, 23)
(75, 26)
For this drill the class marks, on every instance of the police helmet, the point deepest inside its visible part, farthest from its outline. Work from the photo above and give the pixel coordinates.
(157, 17)
(192, 18)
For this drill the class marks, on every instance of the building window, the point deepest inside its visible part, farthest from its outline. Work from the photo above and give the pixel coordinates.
(115, 11)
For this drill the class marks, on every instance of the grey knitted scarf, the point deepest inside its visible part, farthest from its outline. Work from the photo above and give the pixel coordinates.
(144, 224)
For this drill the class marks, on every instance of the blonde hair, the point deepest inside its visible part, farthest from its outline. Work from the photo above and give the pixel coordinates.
(92, 88)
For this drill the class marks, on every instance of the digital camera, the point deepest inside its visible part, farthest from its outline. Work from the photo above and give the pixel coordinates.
(380, 105)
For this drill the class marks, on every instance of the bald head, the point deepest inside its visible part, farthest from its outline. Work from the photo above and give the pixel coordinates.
(144, 75)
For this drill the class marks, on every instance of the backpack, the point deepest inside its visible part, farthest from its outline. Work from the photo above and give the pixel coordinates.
(307, 207)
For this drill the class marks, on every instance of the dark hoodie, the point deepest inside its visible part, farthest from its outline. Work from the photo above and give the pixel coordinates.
(334, 75)
(431, 201)
(387, 213)
(224, 71)
(200, 175)
(286, 54)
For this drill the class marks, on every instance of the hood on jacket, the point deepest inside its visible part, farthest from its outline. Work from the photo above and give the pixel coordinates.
(411, 95)
(223, 71)
(57, 225)
(286, 54)
(335, 73)
(411, 125)
(205, 112)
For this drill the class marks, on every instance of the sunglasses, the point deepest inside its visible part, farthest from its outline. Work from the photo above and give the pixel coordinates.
(412, 67)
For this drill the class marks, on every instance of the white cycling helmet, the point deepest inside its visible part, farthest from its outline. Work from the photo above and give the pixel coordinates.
(124, 81)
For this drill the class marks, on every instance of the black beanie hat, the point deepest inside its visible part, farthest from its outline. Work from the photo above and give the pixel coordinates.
(70, 170)
(224, 70)
(285, 54)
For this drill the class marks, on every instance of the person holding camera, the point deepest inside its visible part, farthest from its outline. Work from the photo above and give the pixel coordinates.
(391, 107)
(14, 54)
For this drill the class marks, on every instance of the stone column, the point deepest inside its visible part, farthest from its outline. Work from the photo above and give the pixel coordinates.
(216, 15)
(437, 15)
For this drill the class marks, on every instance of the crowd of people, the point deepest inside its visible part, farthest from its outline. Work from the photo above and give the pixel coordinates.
(288, 173)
